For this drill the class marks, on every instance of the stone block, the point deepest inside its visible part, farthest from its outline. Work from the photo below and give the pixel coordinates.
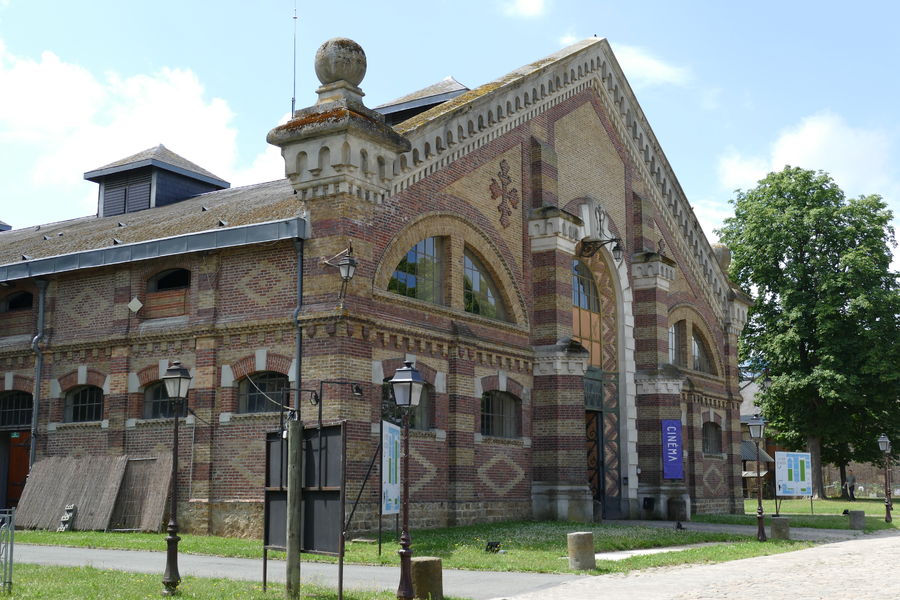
(857, 519)
(427, 578)
(581, 551)
(780, 528)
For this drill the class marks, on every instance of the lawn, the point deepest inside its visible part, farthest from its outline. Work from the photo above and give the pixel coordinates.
(824, 514)
(526, 546)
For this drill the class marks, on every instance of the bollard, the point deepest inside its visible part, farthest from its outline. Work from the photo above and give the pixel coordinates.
(427, 578)
(581, 551)
(781, 529)
(857, 519)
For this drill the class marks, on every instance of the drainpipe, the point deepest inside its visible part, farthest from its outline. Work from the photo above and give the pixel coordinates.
(38, 368)
(298, 339)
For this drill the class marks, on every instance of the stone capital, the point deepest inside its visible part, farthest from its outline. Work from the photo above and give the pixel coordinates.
(651, 270)
(566, 357)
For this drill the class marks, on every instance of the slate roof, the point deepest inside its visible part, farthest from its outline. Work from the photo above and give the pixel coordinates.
(159, 156)
(446, 86)
(748, 452)
(246, 205)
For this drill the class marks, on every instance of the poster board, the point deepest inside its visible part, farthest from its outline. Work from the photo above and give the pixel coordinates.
(390, 469)
(793, 474)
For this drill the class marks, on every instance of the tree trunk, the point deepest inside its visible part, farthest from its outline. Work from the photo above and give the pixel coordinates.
(844, 494)
(814, 445)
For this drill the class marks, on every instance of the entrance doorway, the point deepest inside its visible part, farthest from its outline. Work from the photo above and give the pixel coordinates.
(14, 449)
(601, 395)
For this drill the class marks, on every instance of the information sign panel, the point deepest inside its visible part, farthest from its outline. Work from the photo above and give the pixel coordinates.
(390, 469)
(793, 474)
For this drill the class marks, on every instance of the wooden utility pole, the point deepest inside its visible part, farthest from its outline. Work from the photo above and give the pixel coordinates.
(294, 518)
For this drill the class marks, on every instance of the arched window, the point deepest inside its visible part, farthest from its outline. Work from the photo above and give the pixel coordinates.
(677, 344)
(420, 417)
(586, 311)
(17, 301)
(712, 438)
(173, 279)
(157, 404)
(266, 391)
(15, 409)
(479, 290)
(501, 415)
(420, 273)
(84, 403)
(702, 358)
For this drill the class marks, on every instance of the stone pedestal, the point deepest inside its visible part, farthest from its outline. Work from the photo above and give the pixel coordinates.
(427, 578)
(781, 529)
(581, 551)
(857, 519)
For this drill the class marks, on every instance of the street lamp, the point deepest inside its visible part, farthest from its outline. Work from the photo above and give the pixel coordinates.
(757, 426)
(407, 385)
(177, 380)
(884, 444)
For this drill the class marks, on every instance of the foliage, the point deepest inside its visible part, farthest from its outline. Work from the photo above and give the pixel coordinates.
(824, 324)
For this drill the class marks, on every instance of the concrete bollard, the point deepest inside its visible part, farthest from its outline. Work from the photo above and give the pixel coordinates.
(427, 578)
(581, 551)
(857, 519)
(781, 528)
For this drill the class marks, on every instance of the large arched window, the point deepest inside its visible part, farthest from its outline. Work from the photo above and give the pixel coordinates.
(480, 293)
(17, 301)
(420, 417)
(15, 409)
(420, 273)
(157, 404)
(702, 357)
(586, 311)
(265, 391)
(712, 438)
(501, 415)
(84, 403)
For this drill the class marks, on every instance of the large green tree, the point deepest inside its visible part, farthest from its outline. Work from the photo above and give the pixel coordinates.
(824, 324)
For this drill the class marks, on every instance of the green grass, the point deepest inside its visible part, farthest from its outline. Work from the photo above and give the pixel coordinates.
(528, 546)
(33, 582)
(825, 514)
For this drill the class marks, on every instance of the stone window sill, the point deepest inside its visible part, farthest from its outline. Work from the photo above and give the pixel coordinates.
(521, 442)
(104, 424)
(134, 423)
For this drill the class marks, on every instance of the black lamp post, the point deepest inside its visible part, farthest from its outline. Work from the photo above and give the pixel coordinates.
(407, 385)
(757, 427)
(884, 444)
(178, 380)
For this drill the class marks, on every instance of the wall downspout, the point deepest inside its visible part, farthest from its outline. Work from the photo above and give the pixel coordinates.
(38, 368)
(298, 338)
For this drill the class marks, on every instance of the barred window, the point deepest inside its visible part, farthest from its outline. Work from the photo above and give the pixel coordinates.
(15, 409)
(157, 404)
(84, 403)
(500, 415)
(265, 391)
(420, 417)
(480, 293)
(712, 438)
(419, 275)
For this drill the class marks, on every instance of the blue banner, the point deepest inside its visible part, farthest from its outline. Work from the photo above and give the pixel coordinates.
(672, 454)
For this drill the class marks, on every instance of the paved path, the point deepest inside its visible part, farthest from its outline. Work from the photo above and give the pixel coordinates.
(856, 568)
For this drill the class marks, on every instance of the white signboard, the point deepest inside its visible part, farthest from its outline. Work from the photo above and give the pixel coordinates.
(390, 469)
(793, 474)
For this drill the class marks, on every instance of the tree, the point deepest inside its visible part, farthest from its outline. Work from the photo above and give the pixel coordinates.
(825, 319)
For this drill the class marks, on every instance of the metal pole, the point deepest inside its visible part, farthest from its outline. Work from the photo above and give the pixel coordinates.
(887, 488)
(171, 578)
(760, 524)
(405, 589)
(294, 520)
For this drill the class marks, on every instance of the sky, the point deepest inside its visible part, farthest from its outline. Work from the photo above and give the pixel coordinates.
(732, 90)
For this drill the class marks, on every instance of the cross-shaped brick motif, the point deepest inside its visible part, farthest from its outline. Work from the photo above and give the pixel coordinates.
(508, 195)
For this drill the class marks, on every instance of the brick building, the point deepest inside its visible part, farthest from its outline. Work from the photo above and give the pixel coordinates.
(525, 243)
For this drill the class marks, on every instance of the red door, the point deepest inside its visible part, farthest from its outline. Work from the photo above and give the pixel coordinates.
(19, 447)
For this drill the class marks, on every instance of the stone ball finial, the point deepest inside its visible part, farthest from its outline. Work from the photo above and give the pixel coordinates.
(340, 59)
(723, 256)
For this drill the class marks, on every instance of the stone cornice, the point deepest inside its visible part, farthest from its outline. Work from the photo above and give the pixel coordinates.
(553, 229)
(652, 385)
(563, 358)
(651, 270)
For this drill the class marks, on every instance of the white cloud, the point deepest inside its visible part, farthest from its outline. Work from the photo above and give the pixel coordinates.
(860, 160)
(643, 69)
(62, 120)
(527, 9)
(568, 38)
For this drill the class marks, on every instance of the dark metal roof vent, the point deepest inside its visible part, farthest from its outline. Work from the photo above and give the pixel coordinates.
(5, 226)
(155, 177)
(408, 106)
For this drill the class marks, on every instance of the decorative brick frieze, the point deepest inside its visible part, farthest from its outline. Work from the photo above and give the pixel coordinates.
(658, 385)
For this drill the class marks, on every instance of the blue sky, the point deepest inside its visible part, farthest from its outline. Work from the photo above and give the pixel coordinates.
(732, 90)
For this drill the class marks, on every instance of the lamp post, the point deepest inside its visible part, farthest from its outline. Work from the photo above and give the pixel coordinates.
(757, 427)
(177, 380)
(407, 386)
(884, 444)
